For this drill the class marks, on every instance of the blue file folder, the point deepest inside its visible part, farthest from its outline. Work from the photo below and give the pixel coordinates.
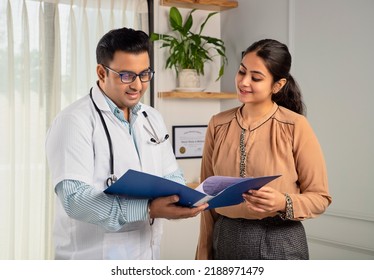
(143, 185)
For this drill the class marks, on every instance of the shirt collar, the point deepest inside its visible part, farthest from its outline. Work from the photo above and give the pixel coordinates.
(118, 112)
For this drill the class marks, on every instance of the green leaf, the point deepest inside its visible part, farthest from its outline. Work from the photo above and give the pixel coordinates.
(187, 49)
(206, 20)
(188, 24)
(155, 37)
(175, 18)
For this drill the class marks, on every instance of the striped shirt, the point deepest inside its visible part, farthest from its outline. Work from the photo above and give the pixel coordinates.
(85, 203)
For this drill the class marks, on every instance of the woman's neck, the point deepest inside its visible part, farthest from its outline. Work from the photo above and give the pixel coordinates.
(254, 112)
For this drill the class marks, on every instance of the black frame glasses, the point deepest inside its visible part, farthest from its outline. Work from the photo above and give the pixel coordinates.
(127, 77)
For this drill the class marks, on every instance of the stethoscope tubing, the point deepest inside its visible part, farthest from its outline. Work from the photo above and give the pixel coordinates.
(154, 139)
(112, 177)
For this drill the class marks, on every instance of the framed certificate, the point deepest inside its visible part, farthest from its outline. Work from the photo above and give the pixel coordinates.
(188, 141)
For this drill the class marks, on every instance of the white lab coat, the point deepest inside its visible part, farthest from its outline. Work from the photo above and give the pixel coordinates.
(87, 159)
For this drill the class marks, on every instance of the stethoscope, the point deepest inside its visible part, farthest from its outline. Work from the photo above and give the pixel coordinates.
(154, 139)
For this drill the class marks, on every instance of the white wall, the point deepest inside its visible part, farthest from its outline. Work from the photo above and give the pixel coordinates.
(180, 237)
(240, 27)
(332, 46)
(185, 111)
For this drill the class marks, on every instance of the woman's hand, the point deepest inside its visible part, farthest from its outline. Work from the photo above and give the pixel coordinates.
(265, 200)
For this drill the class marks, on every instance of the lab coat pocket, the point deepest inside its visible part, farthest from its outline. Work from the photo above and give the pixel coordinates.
(128, 245)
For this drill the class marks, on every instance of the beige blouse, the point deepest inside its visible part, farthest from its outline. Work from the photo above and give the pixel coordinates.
(282, 143)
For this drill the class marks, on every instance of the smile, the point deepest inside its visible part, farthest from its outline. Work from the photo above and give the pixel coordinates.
(244, 91)
(133, 93)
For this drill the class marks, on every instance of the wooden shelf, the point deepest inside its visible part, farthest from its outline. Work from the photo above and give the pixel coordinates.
(197, 95)
(211, 5)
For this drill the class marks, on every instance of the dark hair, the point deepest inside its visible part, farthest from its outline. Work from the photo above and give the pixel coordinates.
(123, 39)
(277, 60)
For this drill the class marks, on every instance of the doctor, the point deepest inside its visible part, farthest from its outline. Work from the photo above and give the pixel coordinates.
(100, 137)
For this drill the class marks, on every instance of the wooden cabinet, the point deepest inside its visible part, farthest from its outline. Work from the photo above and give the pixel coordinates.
(211, 5)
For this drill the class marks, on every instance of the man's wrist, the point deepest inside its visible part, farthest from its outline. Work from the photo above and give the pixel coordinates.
(151, 220)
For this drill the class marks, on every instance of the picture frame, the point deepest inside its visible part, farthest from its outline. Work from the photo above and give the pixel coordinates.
(188, 141)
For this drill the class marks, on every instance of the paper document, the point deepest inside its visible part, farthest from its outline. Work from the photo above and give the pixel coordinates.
(218, 191)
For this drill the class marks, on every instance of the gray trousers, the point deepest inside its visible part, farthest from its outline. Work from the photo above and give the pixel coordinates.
(266, 239)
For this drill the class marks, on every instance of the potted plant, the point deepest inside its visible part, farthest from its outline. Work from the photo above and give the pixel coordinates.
(189, 50)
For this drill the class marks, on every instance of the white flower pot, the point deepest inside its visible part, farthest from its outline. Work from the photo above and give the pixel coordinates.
(188, 78)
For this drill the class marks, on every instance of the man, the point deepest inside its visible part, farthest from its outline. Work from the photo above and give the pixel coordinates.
(101, 136)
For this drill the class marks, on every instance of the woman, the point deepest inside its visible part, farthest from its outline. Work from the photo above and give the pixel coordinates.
(267, 135)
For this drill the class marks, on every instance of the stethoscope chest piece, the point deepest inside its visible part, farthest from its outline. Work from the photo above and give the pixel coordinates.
(111, 180)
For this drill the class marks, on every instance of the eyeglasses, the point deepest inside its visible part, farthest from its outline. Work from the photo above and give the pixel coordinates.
(128, 77)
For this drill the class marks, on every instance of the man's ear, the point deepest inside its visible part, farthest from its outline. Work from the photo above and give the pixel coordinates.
(278, 85)
(101, 72)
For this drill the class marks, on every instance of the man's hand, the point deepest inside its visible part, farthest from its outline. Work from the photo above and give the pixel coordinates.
(165, 207)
